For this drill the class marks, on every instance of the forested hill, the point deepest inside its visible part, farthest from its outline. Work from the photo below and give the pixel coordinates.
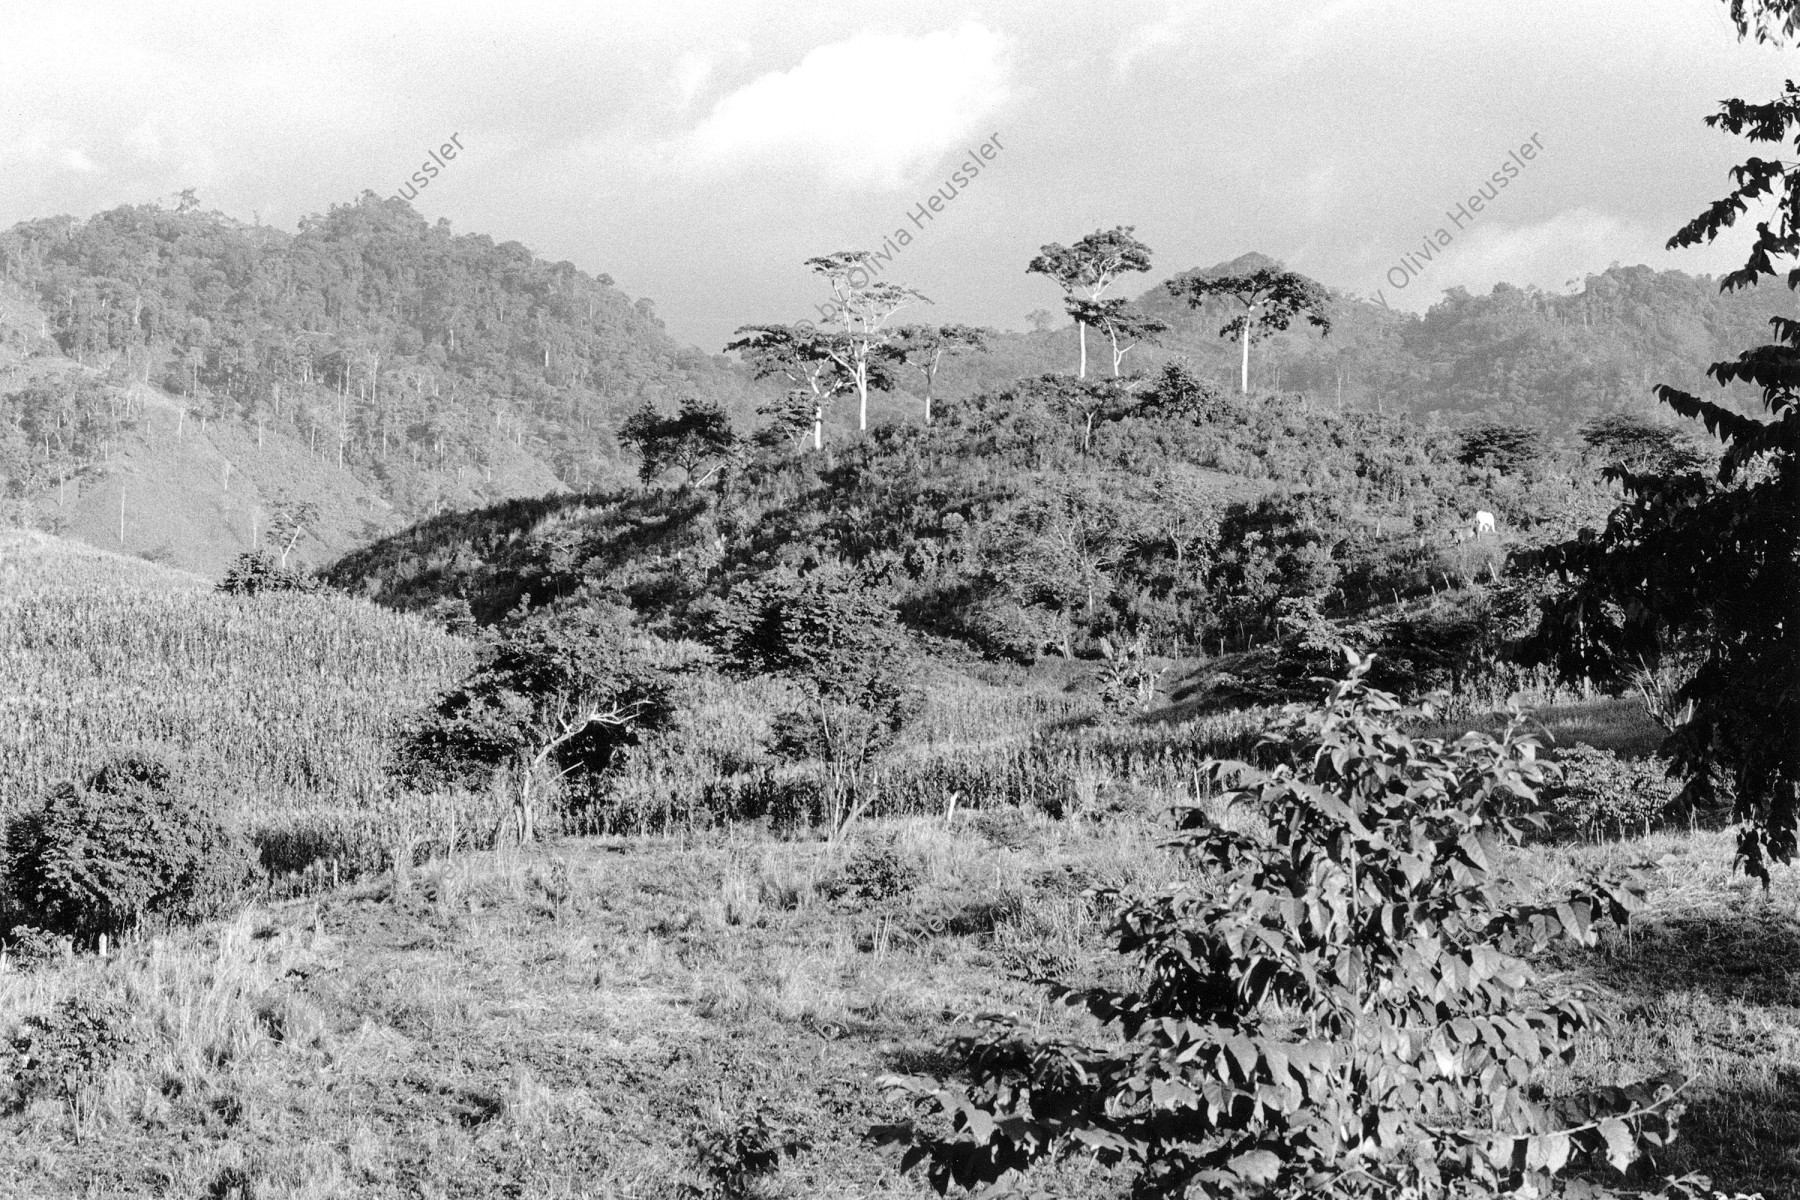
(1546, 359)
(179, 384)
(372, 365)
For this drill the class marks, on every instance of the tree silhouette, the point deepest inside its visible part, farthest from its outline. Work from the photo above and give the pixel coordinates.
(922, 347)
(1692, 564)
(1270, 299)
(1089, 267)
(700, 433)
(1123, 325)
(802, 356)
(862, 309)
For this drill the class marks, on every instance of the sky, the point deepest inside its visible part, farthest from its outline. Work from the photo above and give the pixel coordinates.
(699, 153)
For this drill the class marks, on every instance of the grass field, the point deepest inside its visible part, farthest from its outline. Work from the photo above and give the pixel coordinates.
(567, 1023)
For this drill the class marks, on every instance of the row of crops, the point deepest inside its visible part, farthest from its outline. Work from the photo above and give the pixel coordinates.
(289, 704)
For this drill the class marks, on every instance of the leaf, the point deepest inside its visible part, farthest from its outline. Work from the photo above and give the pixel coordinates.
(1257, 1166)
(1621, 1143)
(1549, 1152)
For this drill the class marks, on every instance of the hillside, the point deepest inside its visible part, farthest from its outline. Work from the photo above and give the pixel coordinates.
(1544, 359)
(213, 379)
(370, 365)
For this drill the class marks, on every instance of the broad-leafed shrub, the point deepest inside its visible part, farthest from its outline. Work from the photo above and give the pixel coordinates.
(55, 1055)
(1337, 1002)
(126, 847)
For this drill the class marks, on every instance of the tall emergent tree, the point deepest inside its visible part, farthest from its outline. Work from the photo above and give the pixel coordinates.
(1692, 567)
(1270, 299)
(922, 347)
(802, 356)
(862, 306)
(1085, 270)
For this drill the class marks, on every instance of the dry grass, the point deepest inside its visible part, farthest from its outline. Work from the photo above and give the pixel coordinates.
(563, 1023)
(550, 1025)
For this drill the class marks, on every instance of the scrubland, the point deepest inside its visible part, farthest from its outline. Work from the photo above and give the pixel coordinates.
(586, 1017)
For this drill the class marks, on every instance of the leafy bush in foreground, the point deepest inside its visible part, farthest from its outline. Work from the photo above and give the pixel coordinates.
(1338, 1005)
(122, 848)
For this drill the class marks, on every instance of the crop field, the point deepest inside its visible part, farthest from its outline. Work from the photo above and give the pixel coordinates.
(286, 704)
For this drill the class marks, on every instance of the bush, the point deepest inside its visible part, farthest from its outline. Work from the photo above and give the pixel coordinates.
(255, 571)
(1337, 1002)
(735, 1161)
(122, 849)
(1603, 793)
(55, 1056)
(876, 871)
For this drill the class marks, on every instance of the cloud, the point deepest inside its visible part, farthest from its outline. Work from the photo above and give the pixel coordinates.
(1553, 254)
(1146, 40)
(691, 73)
(868, 112)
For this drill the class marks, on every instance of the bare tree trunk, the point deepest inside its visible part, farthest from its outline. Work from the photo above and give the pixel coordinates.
(1081, 332)
(1244, 371)
(524, 819)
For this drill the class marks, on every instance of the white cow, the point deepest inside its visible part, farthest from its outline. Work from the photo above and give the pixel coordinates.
(1484, 522)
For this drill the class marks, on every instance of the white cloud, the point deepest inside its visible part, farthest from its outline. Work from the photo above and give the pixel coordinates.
(74, 159)
(1146, 40)
(691, 73)
(1553, 254)
(868, 111)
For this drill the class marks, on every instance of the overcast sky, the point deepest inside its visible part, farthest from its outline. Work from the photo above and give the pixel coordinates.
(699, 152)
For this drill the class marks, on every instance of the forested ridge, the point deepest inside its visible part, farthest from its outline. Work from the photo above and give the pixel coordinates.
(407, 353)
(392, 347)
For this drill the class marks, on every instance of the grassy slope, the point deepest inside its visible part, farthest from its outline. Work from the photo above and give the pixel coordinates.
(195, 495)
(563, 1025)
(291, 700)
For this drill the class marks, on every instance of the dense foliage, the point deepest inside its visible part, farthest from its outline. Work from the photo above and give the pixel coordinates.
(256, 572)
(552, 703)
(1699, 576)
(124, 847)
(833, 637)
(1337, 1002)
(391, 345)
